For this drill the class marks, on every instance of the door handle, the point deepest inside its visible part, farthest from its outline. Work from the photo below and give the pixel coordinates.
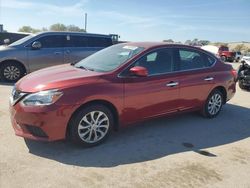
(57, 53)
(172, 84)
(208, 78)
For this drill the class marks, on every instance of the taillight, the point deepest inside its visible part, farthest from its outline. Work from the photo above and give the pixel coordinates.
(234, 73)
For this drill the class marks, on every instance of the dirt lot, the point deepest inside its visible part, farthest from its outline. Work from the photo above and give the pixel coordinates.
(183, 151)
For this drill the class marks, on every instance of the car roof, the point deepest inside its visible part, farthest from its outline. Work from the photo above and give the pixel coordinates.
(147, 45)
(72, 33)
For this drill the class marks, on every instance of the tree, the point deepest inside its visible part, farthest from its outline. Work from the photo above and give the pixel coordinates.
(58, 27)
(74, 28)
(28, 29)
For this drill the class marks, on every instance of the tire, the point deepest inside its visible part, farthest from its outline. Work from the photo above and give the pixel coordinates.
(241, 85)
(223, 58)
(82, 129)
(11, 72)
(213, 104)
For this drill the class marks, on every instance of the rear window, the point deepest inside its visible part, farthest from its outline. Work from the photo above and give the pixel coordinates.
(224, 48)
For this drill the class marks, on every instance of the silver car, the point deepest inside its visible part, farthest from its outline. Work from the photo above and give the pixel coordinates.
(47, 49)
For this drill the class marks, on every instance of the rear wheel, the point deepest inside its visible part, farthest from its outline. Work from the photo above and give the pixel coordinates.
(213, 104)
(91, 125)
(11, 72)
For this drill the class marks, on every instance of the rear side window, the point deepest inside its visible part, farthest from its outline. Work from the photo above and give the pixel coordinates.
(191, 59)
(77, 41)
(99, 42)
(53, 41)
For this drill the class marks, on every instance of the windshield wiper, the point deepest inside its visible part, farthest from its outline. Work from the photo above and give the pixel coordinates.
(73, 63)
(85, 68)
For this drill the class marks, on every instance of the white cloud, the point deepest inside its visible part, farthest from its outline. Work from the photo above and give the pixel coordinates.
(38, 7)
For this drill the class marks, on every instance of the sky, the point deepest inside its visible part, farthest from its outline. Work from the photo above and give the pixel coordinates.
(137, 20)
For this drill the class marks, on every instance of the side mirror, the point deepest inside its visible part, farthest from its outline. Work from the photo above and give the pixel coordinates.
(139, 71)
(36, 45)
(6, 41)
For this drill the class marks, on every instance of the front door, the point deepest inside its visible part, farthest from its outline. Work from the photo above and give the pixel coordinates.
(156, 94)
(51, 52)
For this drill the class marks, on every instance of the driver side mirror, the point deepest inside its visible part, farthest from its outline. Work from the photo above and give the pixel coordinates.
(139, 71)
(6, 41)
(36, 45)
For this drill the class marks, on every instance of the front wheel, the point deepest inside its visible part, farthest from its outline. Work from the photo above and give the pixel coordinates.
(213, 104)
(91, 125)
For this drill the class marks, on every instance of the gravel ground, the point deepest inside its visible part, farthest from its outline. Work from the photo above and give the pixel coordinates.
(183, 151)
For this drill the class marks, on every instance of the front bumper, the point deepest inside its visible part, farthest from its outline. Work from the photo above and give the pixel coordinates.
(47, 123)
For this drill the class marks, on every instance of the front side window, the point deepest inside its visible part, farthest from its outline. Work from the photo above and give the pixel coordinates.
(53, 41)
(158, 62)
(23, 40)
(190, 59)
(109, 58)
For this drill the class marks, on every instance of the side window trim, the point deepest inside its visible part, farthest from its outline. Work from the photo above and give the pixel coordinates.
(197, 51)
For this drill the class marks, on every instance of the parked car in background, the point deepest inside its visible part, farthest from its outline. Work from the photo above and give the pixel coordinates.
(47, 49)
(8, 38)
(225, 54)
(238, 56)
(117, 86)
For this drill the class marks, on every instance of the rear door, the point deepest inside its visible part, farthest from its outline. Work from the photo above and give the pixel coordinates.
(51, 53)
(196, 78)
(156, 94)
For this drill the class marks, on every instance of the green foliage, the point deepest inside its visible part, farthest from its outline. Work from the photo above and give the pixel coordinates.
(28, 29)
(58, 27)
(54, 27)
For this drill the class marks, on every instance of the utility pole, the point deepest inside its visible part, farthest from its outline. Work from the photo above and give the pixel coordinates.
(86, 19)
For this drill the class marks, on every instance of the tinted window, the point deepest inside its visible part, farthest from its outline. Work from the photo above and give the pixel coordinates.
(190, 59)
(99, 42)
(77, 41)
(53, 41)
(158, 62)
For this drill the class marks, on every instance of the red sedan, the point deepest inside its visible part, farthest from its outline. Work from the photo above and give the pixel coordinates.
(117, 86)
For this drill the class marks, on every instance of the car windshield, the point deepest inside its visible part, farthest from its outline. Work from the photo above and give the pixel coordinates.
(18, 42)
(109, 58)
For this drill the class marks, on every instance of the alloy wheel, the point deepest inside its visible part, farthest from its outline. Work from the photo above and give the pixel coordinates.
(11, 73)
(93, 126)
(214, 104)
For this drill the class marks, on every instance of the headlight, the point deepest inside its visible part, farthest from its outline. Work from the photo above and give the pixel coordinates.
(42, 98)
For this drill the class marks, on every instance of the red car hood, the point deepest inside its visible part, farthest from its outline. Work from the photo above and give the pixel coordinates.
(56, 77)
